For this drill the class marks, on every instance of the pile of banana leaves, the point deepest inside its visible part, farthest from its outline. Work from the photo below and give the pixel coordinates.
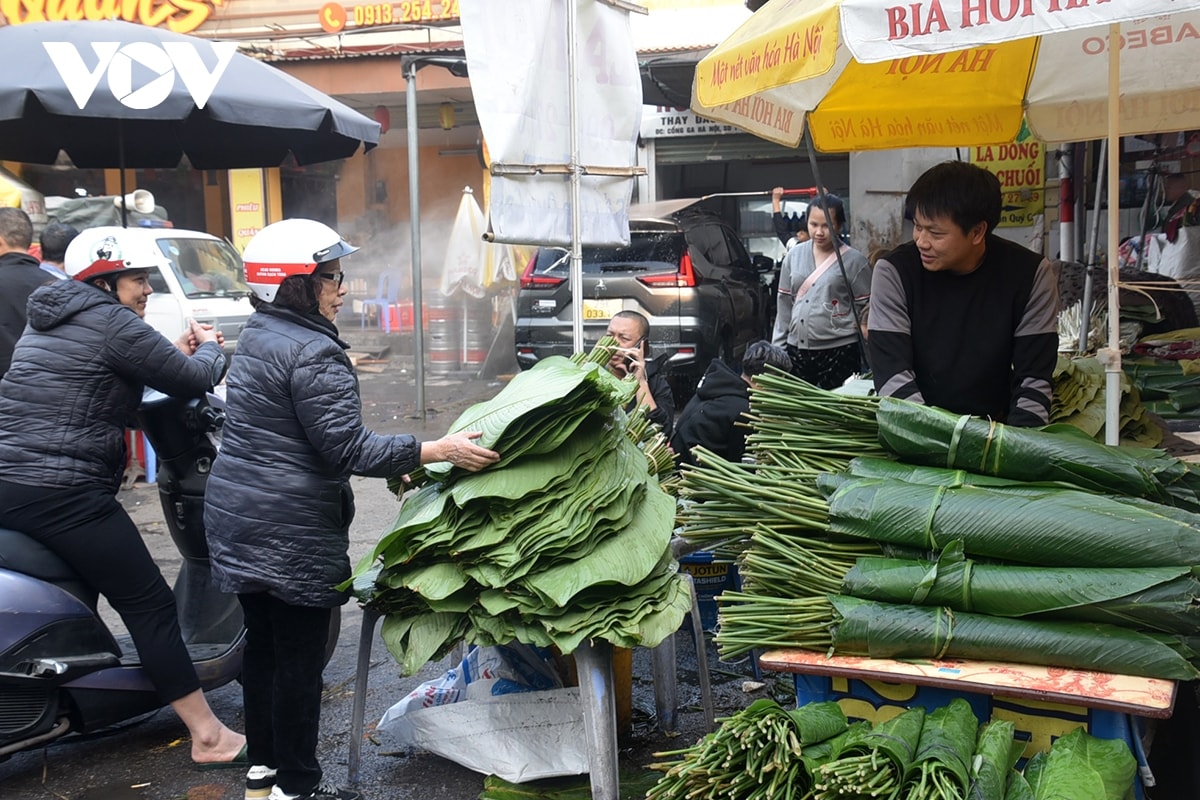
(565, 539)
(1170, 389)
(1029, 546)
(766, 752)
(1079, 401)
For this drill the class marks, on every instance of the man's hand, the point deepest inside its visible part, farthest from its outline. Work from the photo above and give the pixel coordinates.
(195, 335)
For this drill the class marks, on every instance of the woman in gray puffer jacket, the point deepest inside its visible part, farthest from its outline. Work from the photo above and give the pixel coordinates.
(76, 379)
(278, 505)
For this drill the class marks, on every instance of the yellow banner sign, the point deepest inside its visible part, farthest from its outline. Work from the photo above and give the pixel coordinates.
(247, 205)
(1021, 168)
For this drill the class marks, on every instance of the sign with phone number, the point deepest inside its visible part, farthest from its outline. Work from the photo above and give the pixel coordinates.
(334, 17)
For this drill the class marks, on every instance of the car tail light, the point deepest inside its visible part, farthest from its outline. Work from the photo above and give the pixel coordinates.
(685, 278)
(530, 280)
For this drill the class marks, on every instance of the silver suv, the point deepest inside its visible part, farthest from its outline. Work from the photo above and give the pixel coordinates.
(686, 271)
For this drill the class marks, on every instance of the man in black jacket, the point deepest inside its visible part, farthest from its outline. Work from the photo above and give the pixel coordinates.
(20, 274)
(710, 418)
(960, 318)
(632, 357)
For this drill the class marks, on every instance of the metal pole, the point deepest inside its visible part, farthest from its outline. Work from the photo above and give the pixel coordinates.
(414, 214)
(576, 224)
(1085, 302)
(1066, 202)
(593, 659)
(1112, 359)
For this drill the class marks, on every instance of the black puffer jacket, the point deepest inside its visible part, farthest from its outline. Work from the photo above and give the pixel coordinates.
(75, 382)
(708, 418)
(278, 505)
(20, 275)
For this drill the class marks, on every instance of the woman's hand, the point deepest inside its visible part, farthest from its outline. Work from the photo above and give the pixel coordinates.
(460, 450)
(196, 334)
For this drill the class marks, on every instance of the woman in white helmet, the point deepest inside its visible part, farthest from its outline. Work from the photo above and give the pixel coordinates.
(76, 379)
(278, 505)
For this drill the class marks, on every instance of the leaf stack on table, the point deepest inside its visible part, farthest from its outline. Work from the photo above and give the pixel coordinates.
(888, 529)
(565, 539)
(766, 752)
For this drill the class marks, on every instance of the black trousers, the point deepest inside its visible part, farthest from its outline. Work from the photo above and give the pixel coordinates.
(281, 687)
(88, 528)
(827, 369)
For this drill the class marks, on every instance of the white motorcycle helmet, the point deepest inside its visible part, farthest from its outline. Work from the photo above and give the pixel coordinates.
(289, 247)
(94, 254)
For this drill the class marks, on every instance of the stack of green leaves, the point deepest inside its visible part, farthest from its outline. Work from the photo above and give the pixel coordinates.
(1169, 388)
(760, 753)
(1079, 401)
(565, 539)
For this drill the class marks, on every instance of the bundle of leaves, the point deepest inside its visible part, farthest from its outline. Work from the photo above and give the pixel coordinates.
(763, 751)
(565, 539)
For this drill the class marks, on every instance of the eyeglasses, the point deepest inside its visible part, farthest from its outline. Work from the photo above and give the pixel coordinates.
(336, 277)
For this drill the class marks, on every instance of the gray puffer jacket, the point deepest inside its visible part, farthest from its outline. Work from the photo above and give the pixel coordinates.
(75, 382)
(278, 505)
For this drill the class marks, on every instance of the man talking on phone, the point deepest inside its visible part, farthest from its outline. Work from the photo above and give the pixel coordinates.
(632, 332)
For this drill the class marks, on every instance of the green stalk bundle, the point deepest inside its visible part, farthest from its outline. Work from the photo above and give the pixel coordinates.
(882, 630)
(934, 437)
(751, 621)
(941, 768)
(876, 765)
(756, 754)
(995, 756)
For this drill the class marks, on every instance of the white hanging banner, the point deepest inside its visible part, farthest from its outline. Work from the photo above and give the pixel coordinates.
(517, 57)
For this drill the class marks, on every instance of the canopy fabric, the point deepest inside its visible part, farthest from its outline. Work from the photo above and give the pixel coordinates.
(873, 74)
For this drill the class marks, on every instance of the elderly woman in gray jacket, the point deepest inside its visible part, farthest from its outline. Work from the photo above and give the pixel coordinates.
(76, 379)
(278, 505)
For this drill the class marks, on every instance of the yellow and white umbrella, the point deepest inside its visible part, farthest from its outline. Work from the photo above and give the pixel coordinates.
(881, 74)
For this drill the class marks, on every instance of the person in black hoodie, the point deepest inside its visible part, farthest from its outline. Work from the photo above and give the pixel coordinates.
(20, 274)
(723, 396)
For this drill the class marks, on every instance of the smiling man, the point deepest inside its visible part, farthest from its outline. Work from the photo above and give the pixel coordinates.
(960, 318)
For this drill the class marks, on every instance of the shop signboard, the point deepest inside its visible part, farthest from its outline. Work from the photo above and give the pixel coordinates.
(179, 16)
(660, 122)
(247, 204)
(1021, 168)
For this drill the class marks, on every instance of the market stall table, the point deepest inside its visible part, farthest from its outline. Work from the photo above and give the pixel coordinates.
(1031, 696)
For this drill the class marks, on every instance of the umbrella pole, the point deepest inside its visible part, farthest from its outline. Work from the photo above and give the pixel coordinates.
(1112, 359)
(121, 169)
(576, 219)
(837, 249)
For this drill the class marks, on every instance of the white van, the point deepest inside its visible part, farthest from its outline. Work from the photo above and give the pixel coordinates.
(194, 275)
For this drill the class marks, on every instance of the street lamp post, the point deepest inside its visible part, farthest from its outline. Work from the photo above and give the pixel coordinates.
(458, 68)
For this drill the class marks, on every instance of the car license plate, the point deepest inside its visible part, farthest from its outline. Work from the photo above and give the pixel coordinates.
(600, 309)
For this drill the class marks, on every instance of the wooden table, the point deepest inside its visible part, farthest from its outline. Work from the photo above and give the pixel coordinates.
(1126, 694)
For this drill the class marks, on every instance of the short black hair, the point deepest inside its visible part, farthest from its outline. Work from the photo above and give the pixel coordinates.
(965, 193)
(837, 209)
(15, 228)
(54, 240)
(760, 355)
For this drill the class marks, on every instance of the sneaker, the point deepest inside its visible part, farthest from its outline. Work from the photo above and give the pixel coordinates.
(259, 783)
(324, 791)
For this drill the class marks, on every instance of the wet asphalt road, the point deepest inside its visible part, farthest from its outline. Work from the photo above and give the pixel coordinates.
(149, 758)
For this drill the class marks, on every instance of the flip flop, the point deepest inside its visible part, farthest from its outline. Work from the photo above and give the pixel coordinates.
(240, 761)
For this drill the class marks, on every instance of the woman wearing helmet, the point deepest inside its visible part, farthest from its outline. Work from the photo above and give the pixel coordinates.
(278, 505)
(76, 379)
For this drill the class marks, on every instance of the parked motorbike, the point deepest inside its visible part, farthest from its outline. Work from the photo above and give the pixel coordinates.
(61, 669)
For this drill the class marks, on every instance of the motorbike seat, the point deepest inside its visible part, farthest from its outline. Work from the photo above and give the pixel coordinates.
(21, 553)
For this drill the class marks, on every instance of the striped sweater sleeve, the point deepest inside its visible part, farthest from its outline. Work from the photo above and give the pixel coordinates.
(1035, 352)
(890, 336)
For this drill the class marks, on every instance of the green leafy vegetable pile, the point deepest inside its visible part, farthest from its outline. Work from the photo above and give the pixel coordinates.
(766, 752)
(565, 539)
